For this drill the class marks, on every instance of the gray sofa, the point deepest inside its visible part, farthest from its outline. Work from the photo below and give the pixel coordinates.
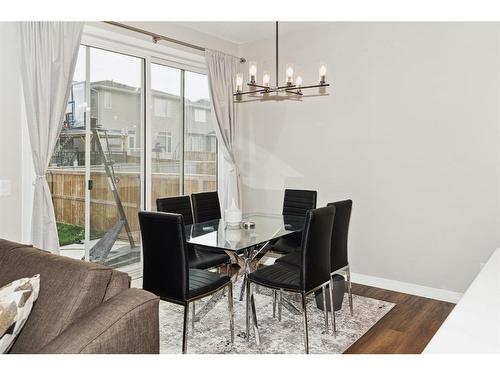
(82, 307)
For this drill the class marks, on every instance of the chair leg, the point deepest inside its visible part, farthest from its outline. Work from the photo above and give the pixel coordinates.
(274, 303)
(192, 317)
(349, 289)
(255, 325)
(332, 305)
(231, 311)
(306, 332)
(325, 308)
(185, 328)
(280, 295)
(248, 310)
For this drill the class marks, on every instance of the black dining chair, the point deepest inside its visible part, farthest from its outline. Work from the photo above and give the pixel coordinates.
(312, 274)
(295, 205)
(339, 255)
(198, 256)
(206, 206)
(339, 260)
(166, 270)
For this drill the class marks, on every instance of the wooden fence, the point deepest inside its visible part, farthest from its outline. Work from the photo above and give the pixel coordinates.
(68, 195)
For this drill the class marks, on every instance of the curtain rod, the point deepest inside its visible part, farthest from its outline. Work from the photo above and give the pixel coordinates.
(158, 37)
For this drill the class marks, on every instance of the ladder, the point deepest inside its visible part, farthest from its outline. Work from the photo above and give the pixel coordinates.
(100, 251)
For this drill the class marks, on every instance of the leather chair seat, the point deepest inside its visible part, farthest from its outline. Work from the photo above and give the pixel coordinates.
(202, 259)
(288, 244)
(291, 259)
(278, 275)
(203, 281)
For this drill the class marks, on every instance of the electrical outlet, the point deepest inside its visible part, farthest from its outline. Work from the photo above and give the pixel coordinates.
(5, 188)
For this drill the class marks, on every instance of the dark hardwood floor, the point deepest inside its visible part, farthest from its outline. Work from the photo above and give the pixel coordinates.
(406, 329)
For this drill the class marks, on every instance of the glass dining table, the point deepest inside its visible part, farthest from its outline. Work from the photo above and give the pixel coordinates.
(244, 244)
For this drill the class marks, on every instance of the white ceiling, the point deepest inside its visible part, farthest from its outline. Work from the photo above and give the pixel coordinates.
(242, 32)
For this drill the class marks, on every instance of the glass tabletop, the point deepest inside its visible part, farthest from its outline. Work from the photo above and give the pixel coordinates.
(217, 234)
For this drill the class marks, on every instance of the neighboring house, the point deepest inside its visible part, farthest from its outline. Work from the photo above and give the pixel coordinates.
(116, 107)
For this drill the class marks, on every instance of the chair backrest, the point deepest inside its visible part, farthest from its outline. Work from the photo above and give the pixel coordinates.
(165, 264)
(206, 206)
(297, 202)
(176, 205)
(338, 257)
(315, 247)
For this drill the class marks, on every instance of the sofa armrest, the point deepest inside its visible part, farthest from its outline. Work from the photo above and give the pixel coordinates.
(126, 323)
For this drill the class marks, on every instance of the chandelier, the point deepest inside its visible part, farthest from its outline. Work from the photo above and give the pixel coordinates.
(292, 87)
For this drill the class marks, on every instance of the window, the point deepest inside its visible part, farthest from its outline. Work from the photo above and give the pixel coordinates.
(200, 159)
(107, 100)
(200, 115)
(101, 141)
(197, 155)
(160, 107)
(106, 117)
(163, 142)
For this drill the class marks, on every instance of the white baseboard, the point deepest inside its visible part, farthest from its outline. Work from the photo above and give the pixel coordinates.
(408, 288)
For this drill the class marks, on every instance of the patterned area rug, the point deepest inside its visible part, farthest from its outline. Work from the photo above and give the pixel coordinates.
(212, 336)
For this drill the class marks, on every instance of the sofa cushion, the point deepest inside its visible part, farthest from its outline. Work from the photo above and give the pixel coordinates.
(69, 289)
(119, 282)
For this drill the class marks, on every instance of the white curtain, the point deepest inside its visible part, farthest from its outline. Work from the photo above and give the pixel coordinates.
(222, 70)
(48, 52)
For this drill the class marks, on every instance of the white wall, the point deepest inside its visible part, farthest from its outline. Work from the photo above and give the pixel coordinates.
(409, 131)
(10, 134)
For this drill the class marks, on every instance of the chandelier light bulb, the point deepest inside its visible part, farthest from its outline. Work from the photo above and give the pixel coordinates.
(266, 79)
(239, 82)
(322, 74)
(298, 81)
(252, 71)
(289, 74)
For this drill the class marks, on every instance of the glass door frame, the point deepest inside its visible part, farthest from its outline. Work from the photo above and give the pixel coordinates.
(102, 38)
(88, 137)
(183, 69)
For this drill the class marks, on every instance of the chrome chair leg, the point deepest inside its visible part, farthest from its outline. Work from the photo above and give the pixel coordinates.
(325, 308)
(306, 332)
(248, 310)
(185, 328)
(349, 289)
(231, 311)
(332, 305)
(254, 318)
(274, 303)
(192, 316)
(280, 304)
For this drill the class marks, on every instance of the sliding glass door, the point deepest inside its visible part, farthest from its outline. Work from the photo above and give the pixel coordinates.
(98, 170)
(184, 145)
(200, 142)
(114, 164)
(166, 132)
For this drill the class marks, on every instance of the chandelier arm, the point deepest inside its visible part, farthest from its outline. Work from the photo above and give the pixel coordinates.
(294, 92)
(256, 85)
(313, 86)
(250, 92)
(286, 87)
